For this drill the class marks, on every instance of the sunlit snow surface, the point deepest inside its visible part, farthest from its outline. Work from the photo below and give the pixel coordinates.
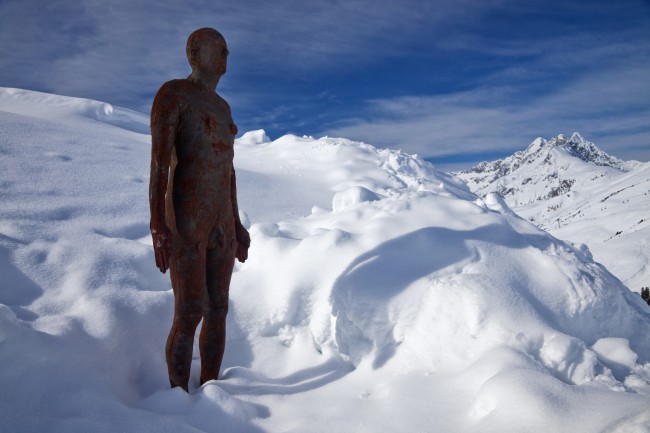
(380, 296)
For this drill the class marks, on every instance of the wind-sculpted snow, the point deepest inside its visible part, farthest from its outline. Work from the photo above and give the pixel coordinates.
(380, 296)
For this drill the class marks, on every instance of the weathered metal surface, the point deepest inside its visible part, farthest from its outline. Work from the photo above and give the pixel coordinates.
(195, 223)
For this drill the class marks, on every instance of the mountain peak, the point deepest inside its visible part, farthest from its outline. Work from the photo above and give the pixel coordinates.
(550, 168)
(576, 146)
(581, 148)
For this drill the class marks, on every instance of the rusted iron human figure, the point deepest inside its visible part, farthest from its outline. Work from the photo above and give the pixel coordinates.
(195, 222)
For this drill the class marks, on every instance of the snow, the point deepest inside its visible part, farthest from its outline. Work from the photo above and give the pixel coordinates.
(380, 295)
(578, 193)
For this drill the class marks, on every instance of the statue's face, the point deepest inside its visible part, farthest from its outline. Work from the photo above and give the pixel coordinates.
(213, 56)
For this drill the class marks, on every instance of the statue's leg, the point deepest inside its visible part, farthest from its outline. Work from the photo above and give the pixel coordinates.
(187, 271)
(219, 265)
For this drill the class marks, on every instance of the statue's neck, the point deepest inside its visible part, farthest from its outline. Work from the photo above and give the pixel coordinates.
(204, 81)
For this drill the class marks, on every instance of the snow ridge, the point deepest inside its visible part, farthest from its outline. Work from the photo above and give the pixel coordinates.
(315, 169)
(540, 148)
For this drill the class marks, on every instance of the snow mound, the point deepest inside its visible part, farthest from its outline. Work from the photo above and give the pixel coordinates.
(254, 137)
(377, 287)
(353, 196)
(48, 107)
(288, 176)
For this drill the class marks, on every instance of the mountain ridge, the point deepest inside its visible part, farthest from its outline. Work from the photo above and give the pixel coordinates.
(576, 146)
(544, 170)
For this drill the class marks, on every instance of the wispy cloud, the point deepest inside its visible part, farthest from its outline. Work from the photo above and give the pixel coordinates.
(566, 85)
(122, 50)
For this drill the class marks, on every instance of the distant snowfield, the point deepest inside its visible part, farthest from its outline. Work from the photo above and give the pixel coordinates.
(380, 296)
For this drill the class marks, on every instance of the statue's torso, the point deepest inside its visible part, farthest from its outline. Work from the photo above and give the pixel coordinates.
(201, 168)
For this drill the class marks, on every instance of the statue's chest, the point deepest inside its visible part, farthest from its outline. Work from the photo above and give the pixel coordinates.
(207, 124)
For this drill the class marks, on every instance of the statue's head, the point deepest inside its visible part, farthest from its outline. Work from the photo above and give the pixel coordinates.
(207, 51)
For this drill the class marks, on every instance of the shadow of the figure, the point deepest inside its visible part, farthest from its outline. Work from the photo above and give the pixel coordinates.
(361, 294)
(238, 380)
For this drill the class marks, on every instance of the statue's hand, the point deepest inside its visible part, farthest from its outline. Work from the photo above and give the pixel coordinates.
(162, 246)
(243, 243)
(242, 252)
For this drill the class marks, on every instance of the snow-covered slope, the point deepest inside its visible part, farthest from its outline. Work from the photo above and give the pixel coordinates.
(577, 192)
(380, 296)
(613, 219)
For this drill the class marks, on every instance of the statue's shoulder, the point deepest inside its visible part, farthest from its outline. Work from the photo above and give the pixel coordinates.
(174, 88)
(169, 101)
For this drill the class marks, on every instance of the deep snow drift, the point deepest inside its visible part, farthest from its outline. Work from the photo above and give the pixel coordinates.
(380, 296)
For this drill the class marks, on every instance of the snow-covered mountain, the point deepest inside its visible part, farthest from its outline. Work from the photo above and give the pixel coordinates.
(546, 169)
(380, 295)
(576, 191)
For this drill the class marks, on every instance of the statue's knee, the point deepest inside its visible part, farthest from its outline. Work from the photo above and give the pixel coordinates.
(222, 310)
(219, 310)
(190, 317)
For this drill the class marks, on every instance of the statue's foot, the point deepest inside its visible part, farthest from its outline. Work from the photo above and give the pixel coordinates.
(207, 379)
(173, 385)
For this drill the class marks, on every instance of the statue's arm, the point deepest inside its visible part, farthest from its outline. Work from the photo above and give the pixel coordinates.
(241, 234)
(164, 123)
(243, 238)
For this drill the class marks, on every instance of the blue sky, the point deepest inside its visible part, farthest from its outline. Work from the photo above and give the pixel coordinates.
(456, 81)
